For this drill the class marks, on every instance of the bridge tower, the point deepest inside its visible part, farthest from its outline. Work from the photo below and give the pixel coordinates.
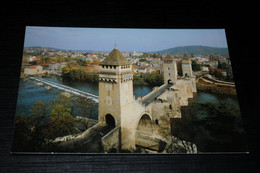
(169, 70)
(116, 96)
(186, 66)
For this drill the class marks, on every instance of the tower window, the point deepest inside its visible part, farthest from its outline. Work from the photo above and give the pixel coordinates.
(169, 74)
(156, 122)
(114, 67)
(103, 66)
(168, 68)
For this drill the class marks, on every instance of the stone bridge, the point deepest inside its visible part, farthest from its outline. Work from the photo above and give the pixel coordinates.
(144, 121)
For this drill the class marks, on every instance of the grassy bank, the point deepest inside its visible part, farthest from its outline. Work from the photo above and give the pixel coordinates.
(214, 88)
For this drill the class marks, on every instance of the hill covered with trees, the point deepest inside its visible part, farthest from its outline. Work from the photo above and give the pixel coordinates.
(195, 50)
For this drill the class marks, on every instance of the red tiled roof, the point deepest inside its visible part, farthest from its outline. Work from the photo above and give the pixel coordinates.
(143, 66)
(94, 67)
(33, 67)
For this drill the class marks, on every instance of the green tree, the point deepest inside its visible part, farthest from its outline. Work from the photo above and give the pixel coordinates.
(218, 74)
(154, 78)
(30, 131)
(222, 65)
(179, 68)
(37, 113)
(61, 120)
(86, 106)
(213, 127)
(38, 120)
(22, 137)
(211, 70)
(138, 80)
(61, 100)
(195, 66)
(82, 62)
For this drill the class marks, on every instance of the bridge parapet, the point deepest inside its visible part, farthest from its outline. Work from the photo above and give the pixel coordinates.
(111, 140)
(146, 100)
(79, 135)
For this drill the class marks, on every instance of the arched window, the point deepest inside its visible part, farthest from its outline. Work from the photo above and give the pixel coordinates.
(156, 122)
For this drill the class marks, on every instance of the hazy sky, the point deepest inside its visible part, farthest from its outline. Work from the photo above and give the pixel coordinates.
(140, 40)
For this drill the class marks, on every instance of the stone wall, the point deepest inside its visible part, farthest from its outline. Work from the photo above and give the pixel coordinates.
(77, 136)
(111, 140)
(186, 87)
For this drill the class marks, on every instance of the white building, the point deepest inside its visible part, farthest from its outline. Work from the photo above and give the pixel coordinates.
(134, 53)
(204, 68)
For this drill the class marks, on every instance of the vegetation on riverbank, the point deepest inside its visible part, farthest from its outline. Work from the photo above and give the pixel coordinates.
(79, 73)
(152, 79)
(47, 121)
(214, 88)
(213, 127)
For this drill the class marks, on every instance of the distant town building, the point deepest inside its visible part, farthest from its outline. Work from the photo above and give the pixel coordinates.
(134, 53)
(57, 66)
(32, 58)
(205, 69)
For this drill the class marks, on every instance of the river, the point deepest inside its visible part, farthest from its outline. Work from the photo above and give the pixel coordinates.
(29, 93)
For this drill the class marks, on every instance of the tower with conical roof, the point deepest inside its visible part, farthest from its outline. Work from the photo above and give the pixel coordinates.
(169, 70)
(116, 94)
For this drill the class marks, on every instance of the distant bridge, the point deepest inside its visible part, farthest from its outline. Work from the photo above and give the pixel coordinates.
(67, 89)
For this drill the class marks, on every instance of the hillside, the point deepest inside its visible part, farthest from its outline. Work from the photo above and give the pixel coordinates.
(195, 50)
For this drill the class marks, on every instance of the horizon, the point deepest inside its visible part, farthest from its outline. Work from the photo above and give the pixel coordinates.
(121, 51)
(126, 40)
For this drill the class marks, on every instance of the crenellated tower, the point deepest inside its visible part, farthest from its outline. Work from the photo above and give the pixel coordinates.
(116, 95)
(186, 66)
(169, 70)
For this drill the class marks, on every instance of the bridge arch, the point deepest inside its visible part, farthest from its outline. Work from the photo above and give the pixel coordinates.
(144, 123)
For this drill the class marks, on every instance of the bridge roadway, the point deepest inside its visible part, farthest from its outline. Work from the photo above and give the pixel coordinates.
(156, 94)
(67, 88)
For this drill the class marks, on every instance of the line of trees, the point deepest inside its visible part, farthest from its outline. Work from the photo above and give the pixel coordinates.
(154, 78)
(77, 73)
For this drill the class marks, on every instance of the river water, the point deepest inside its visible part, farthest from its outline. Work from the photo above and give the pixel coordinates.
(29, 93)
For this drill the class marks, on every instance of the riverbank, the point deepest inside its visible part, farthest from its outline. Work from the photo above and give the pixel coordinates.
(212, 87)
(211, 126)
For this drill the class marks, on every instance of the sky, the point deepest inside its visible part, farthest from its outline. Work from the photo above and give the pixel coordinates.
(106, 39)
